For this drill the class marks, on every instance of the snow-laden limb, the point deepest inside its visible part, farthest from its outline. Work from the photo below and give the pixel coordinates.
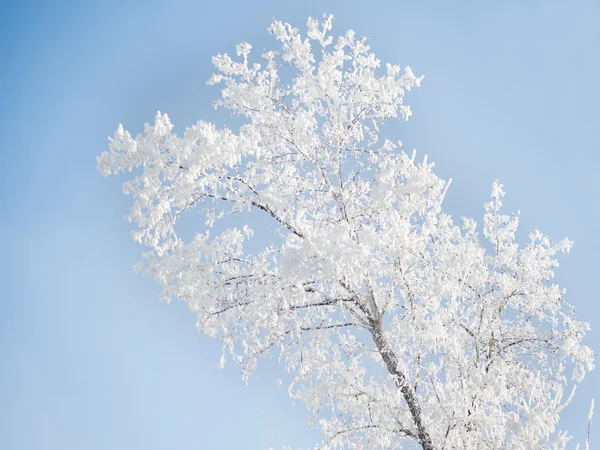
(398, 325)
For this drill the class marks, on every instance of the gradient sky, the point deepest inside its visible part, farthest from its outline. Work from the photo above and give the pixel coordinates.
(90, 359)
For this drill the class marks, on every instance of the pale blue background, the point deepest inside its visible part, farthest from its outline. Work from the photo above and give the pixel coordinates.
(89, 358)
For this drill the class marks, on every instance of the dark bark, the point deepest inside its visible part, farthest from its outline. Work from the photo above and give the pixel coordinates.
(391, 361)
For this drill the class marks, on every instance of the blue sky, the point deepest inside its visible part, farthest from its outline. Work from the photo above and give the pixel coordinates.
(90, 358)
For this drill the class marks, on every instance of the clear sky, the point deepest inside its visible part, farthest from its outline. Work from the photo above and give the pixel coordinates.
(89, 358)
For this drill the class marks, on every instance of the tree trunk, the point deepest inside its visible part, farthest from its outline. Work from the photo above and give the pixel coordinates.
(409, 394)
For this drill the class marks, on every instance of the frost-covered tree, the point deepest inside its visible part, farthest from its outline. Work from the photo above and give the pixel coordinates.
(398, 325)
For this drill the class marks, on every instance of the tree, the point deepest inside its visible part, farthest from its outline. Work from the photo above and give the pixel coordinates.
(397, 325)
